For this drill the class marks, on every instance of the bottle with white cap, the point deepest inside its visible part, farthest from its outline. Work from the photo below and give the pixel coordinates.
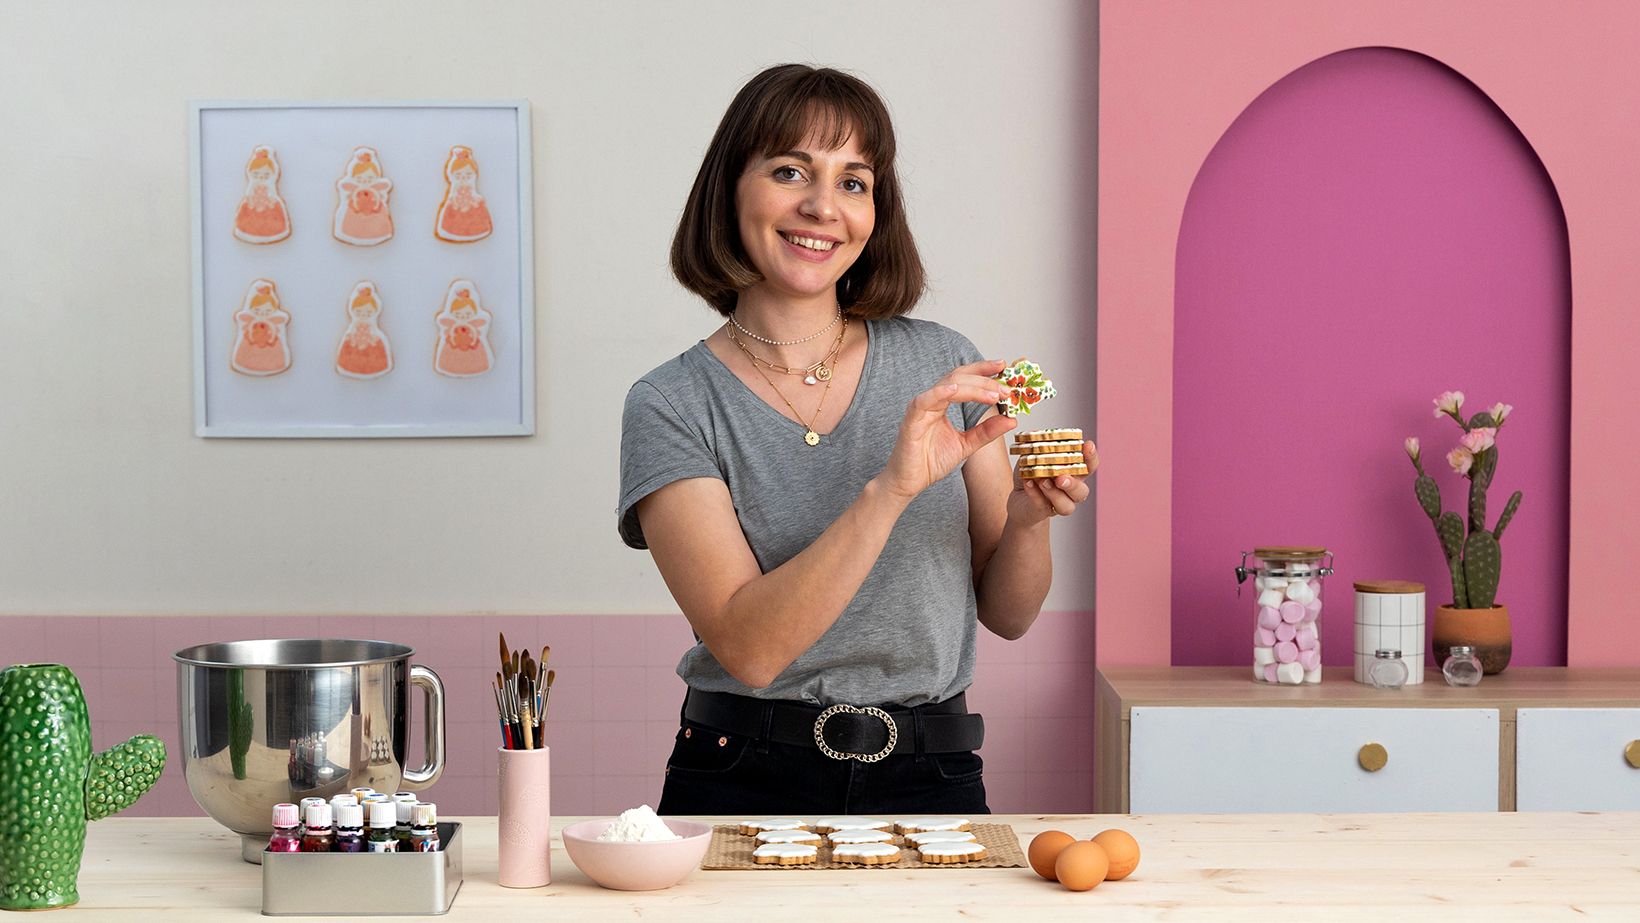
(287, 829)
(350, 827)
(424, 828)
(403, 802)
(382, 817)
(318, 837)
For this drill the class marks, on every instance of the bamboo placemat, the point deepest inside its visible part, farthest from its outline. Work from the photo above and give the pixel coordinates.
(731, 849)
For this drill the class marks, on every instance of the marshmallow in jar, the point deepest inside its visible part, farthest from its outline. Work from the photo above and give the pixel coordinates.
(1286, 607)
(1389, 614)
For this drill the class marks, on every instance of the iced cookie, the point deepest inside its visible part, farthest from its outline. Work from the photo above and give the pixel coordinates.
(788, 836)
(867, 854)
(364, 352)
(785, 854)
(462, 215)
(844, 837)
(363, 215)
(464, 326)
(1044, 448)
(1070, 434)
(920, 824)
(261, 342)
(950, 853)
(940, 836)
(829, 824)
(1023, 387)
(754, 827)
(261, 217)
(1032, 472)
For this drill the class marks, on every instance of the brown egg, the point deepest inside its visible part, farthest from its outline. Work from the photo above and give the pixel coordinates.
(1122, 850)
(1045, 849)
(1081, 866)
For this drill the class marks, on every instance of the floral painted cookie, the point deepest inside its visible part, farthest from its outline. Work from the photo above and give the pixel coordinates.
(1024, 388)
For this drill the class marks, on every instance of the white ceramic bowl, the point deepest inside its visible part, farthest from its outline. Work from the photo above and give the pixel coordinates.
(636, 866)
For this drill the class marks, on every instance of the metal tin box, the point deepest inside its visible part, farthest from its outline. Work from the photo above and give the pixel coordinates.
(363, 884)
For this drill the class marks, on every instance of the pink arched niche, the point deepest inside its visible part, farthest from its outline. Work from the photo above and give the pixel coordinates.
(1371, 230)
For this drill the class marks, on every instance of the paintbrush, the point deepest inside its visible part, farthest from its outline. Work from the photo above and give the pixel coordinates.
(510, 714)
(501, 718)
(506, 655)
(525, 719)
(546, 696)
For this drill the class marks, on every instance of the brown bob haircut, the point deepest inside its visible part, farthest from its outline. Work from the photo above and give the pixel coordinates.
(777, 111)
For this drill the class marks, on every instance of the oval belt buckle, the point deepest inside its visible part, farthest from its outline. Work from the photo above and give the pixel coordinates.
(820, 733)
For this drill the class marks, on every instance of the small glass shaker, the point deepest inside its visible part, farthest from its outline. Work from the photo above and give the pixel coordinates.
(1461, 667)
(1388, 670)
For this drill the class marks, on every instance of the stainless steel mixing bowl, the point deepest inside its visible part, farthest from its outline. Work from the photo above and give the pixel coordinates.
(269, 721)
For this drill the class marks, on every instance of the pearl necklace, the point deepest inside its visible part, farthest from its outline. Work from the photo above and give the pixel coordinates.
(821, 332)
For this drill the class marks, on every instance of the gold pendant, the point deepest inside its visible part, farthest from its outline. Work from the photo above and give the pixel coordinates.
(820, 371)
(811, 437)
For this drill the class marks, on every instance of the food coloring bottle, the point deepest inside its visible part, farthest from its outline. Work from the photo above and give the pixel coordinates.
(382, 816)
(350, 828)
(362, 791)
(424, 828)
(402, 807)
(318, 837)
(287, 830)
(339, 800)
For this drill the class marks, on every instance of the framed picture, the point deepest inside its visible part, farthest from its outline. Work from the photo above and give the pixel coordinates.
(362, 269)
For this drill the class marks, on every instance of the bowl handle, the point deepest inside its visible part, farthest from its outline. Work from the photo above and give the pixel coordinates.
(428, 773)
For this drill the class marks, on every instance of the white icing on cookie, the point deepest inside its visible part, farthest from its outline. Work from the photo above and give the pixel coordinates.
(788, 836)
(912, 824)
(851, 823)
(941, 836)
(951, 849)
(861, 836)
(785, 850)
(776, 823)
(866, 849)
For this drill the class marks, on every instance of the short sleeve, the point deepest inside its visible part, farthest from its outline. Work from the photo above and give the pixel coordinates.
(658, 446)
(966, 354)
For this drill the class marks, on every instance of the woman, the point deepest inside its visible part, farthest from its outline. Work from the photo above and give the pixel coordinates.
(821, 480)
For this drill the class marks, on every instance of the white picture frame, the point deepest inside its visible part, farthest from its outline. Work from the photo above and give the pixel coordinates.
(316, 274)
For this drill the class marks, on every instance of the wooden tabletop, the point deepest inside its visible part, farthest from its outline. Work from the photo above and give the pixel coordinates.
(1490, 867)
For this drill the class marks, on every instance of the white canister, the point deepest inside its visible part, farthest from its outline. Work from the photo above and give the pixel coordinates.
(1389, 615)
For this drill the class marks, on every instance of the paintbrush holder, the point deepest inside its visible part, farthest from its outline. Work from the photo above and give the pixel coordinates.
(524, 851)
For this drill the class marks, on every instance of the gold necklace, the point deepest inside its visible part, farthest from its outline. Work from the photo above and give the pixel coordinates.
(813, 374)
(810, 437)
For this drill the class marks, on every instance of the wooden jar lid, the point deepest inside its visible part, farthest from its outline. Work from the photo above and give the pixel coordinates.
(1388, 586)
(1289, 553)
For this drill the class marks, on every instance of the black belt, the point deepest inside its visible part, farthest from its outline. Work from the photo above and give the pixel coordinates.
(842, 732)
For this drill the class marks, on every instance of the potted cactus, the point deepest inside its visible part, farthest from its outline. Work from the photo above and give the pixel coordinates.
(51, 783)
(1473, 556)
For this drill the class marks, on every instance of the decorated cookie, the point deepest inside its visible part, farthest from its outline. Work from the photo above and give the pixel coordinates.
(1054, 458)
(920, 824)
(1044, 448)
(1024, 387)
(1050, 435)
(841, 837)
(261, 339)
(867, 853)
(363, 215)
(754, 827)
(261, 217)
(364, 352)
(464, 327)
(462, 215)
(829, 824)
(788, 836)
(940, 836)
(785, 854)
(1034, 472)
(950, 853)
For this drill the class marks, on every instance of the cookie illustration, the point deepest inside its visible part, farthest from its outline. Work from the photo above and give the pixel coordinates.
(261, 217)
(1023, 387)
(464, 326)
(867, 853)
(785, 854)
(363, 215)
(364, 352)
(261, 345)
(462, 215)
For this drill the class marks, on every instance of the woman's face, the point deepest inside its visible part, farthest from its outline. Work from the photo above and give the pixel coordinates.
(805, 215)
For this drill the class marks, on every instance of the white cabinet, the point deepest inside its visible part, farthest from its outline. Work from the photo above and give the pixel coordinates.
(1577, 759)
(1283, 759)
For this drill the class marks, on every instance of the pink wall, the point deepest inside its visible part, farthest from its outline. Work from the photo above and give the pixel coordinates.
(1174, 75)
(1371, 231)
(615, 704)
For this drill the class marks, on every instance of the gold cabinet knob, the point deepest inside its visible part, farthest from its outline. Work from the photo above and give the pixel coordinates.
(1373, 757)
(1632, 753)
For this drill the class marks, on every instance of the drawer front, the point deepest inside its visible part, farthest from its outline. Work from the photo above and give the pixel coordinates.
(1572, 759)
(1280, 760)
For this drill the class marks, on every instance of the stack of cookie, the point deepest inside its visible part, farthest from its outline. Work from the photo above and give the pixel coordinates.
(1048, 453)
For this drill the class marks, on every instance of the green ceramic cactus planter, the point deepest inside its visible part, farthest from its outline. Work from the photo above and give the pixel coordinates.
(51, 784)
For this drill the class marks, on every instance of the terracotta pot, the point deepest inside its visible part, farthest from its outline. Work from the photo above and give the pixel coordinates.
(1486, 630)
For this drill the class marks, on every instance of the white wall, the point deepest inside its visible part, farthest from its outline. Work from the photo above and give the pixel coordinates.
(110, 504)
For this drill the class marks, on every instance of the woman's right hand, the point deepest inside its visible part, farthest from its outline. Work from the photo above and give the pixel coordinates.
(928, 447)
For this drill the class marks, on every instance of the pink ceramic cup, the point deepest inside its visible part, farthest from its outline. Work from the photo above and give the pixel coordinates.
(525, 824)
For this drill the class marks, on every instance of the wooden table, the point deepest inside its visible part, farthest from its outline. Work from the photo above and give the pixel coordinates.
(1297, 867)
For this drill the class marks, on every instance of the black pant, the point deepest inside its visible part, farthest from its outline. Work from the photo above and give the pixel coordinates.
(711, 772)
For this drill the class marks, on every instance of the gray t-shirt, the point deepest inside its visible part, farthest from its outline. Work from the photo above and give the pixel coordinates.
(907, 637)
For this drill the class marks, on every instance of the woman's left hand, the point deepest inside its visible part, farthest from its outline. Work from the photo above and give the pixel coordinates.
(1039, 498)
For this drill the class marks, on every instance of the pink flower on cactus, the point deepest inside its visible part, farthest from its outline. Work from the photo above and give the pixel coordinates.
(1460, 459)
(1412, 447)
(1500, 411)
(1448, 402)
(1480, 438)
